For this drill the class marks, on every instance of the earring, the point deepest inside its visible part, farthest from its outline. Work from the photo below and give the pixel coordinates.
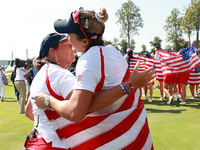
(83, 48)
(57, 60)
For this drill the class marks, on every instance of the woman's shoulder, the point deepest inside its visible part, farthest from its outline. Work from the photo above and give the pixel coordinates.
(57, 70)
(95, 50)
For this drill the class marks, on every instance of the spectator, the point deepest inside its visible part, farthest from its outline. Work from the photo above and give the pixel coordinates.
(194, 83)
(2, 85)
(12, 78)
(129, 56)
(149, 62)
(169, 81)
(21, 87)
(28, 83)
(159, 77)
(183, 80)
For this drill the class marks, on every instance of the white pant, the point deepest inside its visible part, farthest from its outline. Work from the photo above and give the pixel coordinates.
(2, 89)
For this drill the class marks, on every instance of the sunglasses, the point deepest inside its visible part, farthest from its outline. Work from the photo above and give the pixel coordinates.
(76, 18)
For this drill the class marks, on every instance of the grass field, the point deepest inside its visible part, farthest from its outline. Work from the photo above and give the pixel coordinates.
(173, 127)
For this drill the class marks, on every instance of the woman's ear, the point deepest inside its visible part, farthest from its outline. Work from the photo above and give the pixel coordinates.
(85, 41)
(51, 51)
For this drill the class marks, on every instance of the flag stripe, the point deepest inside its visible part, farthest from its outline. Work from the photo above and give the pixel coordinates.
(194, 78)
(159, 72)
(72, 129)
(117, 131)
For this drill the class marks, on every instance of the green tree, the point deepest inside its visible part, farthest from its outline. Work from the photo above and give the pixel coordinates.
(186, 24)
(181, 44)
(194, 11)
(107, 42)
(132, 45)
(130, 20)
(172, 27)
(153, 51)
(195, 43)
(123, 45)
(156, 43)
(143, 49)
(168, 46)
(116, 43)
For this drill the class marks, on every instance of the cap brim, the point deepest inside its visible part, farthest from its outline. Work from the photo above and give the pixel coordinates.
(68, 26)
(61, 26)
(63, 38)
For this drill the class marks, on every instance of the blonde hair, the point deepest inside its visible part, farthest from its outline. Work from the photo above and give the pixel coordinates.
(95, 25)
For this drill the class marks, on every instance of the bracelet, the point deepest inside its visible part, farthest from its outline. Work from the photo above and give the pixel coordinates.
(128, 92)
(123, 88)
(130, 85)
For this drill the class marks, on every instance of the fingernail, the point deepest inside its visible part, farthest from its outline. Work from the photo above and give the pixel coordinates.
(31, 97)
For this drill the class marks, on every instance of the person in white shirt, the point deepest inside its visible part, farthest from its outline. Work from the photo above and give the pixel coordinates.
(2, 85)
(51, 76)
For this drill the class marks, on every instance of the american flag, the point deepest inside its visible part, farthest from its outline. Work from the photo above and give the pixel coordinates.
(149, 62)
(173, 63)
(133, 61)
(197, 69)
(194, 78)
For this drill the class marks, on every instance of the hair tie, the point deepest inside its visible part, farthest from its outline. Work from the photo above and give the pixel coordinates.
(100, 20)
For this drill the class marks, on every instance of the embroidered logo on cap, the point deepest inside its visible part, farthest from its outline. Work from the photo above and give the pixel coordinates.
(94, 37)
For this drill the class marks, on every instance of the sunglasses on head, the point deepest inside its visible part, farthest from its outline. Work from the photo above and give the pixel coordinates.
(76, 18)
(76, 15)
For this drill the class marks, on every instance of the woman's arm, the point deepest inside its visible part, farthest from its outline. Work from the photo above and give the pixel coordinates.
(73, 109)
(29, 110)
(6, 66)
(105, 98)
(83, 101)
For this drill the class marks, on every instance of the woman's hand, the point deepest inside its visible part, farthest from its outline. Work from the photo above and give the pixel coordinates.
(141, 79)
(39, 100)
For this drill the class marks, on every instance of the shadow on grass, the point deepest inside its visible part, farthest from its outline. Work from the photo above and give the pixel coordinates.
(164, 111)
(10, 100)
(193, 103)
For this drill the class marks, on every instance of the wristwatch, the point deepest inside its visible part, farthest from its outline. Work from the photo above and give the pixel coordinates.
(46, 101)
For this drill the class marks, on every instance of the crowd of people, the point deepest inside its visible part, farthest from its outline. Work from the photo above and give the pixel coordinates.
(172, 86)
(21, 78)
(98, 105)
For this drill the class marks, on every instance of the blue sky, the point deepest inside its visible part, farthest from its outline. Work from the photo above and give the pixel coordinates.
(25, 23)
